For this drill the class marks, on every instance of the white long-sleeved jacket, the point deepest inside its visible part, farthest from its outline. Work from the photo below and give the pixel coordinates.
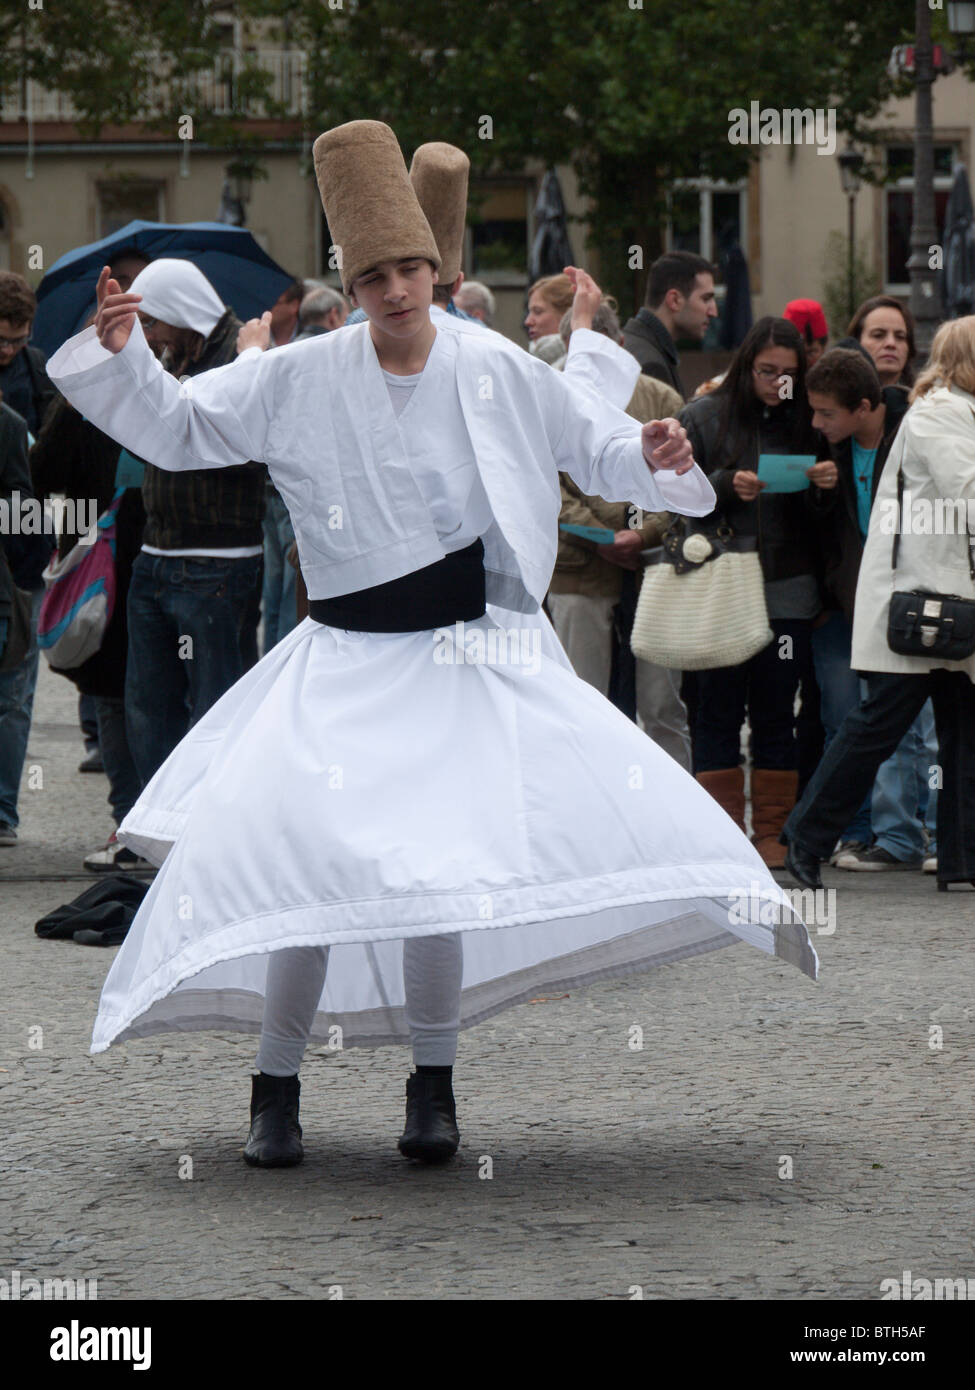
(318, 414)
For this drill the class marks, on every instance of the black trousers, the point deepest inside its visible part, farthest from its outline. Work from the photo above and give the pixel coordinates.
(868, 736)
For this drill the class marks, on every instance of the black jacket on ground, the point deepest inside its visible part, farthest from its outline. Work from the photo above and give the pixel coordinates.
(653, 347)
(784, 522)
(206, 508)
(836, 510)
(73, 457)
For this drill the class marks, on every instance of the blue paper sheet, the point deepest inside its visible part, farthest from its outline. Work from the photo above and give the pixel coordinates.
(784, 472)
(589, 533)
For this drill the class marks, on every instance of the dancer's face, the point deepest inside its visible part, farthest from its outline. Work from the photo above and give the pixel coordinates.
(396, 295)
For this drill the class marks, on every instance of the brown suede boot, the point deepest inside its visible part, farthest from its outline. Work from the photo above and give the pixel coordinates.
(773, 797)
(727, 786)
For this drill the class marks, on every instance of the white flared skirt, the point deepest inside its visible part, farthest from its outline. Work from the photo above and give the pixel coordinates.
(354, 789)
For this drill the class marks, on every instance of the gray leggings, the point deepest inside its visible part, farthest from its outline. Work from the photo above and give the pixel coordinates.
(432, 970)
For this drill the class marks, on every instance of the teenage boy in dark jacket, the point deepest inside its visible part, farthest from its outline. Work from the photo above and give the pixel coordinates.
(860, 419)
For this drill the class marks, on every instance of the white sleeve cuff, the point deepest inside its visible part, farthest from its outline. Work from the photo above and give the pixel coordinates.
(84, 352)
(689, 494)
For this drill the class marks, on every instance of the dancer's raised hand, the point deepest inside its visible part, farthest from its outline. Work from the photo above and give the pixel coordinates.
(587, 299)
(115, 317)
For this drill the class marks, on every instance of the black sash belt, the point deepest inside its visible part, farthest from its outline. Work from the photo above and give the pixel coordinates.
(449, 591)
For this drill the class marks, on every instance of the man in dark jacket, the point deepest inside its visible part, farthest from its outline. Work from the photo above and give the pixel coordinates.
(680, 303)
(24, 383)
(199, 571)
(23, 562)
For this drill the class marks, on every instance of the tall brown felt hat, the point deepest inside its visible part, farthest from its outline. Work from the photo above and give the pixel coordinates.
(372, 211)
(439, 176)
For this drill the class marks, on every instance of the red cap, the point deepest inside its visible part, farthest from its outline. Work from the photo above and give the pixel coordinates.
(807, 311)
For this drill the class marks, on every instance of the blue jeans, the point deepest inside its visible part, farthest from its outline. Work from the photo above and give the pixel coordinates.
(124, 784)
(839, 689)
(278, 600)
(185, 617)
(901, 801)
(16, 707)
(902, 798)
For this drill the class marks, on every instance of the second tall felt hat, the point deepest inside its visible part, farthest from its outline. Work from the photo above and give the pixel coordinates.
(439, 174)
(370, 204)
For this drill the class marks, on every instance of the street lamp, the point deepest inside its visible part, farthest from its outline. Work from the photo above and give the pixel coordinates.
(961, 22)
(925, 279)
(851, 163)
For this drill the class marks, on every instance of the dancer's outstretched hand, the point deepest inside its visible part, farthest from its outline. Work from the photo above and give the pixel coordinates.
(666, 445)
(255, 333)
(115, 318)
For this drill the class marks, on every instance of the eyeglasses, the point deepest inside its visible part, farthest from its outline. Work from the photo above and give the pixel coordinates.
(14, 342)
(773, 373)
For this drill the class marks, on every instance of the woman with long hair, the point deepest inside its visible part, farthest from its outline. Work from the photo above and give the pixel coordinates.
(930, 471)
(759, 408)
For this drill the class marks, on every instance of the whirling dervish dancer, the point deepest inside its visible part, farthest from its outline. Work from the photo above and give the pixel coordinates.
(406, 817)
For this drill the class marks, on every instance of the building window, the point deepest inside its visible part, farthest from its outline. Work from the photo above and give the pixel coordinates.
(899, 208)
(497, 235)
(128, 200)
(708, 219)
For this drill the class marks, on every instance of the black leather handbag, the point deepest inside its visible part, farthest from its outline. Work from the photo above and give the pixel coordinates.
(923, 623)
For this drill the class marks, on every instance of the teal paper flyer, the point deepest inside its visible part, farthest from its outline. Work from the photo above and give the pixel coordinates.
(785, 472)
(588, 533)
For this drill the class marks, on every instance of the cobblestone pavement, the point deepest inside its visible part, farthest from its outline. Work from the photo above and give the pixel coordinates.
(611, 1168)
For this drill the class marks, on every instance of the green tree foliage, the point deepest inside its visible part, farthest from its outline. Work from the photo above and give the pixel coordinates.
(632, 93)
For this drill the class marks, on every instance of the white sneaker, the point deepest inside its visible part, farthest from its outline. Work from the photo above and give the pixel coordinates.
(113, 857)
(845, 848)
(930, 865)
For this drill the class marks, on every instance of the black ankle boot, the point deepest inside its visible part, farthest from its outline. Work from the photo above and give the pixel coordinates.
(431, 1119)
(275, 1137)
(802, 865)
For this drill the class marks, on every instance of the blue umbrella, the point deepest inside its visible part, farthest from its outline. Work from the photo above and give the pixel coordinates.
(243, 275)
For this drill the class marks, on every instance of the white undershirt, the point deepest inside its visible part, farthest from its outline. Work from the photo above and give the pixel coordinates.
(400, 389)
(451, 488)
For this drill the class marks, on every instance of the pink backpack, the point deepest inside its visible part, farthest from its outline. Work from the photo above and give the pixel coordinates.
(80, 596)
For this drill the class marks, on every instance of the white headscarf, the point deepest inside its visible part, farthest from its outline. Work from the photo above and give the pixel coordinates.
(177, 293)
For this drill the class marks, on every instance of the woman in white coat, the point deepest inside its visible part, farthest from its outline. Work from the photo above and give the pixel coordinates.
(428, 806)
(932, 466)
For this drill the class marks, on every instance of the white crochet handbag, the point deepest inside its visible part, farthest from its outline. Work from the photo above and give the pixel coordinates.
(702, 601)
